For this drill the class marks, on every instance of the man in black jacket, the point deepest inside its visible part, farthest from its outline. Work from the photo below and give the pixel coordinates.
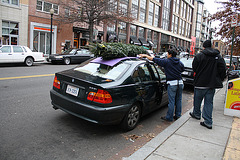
(210, 69)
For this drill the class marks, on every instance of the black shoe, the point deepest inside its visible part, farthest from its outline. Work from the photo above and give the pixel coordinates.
(192, 115)
(204, 125)
(164, 118)
(175, 117)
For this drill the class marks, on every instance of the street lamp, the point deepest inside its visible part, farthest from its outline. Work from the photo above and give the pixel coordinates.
(51, 12)
(211, 31)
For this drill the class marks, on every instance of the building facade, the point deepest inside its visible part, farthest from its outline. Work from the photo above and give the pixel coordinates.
(14, 22)
(221, 46)
(201, 25)
(159, 25)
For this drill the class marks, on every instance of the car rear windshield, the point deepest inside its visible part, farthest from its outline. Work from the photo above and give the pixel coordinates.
(103, 70)
(187, 62)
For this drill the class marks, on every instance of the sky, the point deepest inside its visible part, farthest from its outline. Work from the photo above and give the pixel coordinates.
(212, 7)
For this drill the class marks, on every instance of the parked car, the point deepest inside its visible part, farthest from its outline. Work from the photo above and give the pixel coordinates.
(184, 54)
(19, 54)
(71, 56)
(187, 74)
(161, 55)
(117, 91)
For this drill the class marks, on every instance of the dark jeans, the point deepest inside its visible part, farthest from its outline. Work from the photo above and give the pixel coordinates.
(208, 95)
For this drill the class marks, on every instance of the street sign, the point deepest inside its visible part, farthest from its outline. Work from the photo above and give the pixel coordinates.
(234, 20)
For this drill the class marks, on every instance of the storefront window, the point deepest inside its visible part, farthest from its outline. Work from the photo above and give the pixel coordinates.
(133, 30)
(9, 33)
(141, 32)
(149, 35)
(122, 31)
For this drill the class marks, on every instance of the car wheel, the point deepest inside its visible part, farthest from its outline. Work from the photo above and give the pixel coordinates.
(29, 61)
(131, 118)
(67, 61)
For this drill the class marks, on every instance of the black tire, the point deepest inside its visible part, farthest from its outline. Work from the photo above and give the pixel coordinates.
(132, 117)
(67, 61)
(29, 61)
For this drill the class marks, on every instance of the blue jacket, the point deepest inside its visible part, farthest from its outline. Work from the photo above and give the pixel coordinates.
(173, 67)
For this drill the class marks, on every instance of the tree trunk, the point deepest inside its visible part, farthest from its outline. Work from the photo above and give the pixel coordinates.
(91, 31)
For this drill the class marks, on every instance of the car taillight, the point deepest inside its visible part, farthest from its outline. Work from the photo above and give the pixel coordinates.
(56, 83)
(101, 96)
(194, 74)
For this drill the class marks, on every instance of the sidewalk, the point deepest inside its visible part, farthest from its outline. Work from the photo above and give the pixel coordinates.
(186, 139)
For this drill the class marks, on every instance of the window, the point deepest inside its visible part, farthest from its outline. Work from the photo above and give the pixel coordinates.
(141, 32)
(10, 33)
(103, 70)
(17, 49)
(150, 15)
(149, 34)
(216, 44)
(143, 73)
(13, 2)
(134, 8)
(133, 30)
(156, 17)
(46, 6)
(142, 11)
(176, 25)
(6, 49)
(166, 15)
(67, 13)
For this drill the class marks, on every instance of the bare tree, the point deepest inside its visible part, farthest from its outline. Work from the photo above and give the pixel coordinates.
(92, 12)
(225, 17)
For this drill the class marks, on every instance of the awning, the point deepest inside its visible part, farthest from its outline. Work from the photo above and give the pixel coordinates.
(143, 42)
(150, 43)
(134, 40)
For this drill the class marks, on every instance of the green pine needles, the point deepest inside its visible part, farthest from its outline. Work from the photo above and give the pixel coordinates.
(116, 50)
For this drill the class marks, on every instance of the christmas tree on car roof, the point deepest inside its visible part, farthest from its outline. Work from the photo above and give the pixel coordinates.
(116, 50)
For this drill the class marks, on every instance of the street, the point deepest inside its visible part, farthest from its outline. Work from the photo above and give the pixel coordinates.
(31, 129)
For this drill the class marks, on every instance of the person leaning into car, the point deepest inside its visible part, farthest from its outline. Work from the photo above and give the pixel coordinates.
(173, 68)
(210, 69)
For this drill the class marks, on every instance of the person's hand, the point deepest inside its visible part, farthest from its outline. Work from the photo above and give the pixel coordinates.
(142, 55)
(146, 56)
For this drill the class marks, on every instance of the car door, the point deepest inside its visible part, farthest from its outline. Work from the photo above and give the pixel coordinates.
(18, 54)
(82, 55)
(147, 87)
(6, 55)
(163, 84)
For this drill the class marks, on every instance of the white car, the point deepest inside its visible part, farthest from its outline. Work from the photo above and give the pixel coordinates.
(19, 54)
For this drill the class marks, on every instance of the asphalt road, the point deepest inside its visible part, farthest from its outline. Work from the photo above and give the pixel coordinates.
(31, 129)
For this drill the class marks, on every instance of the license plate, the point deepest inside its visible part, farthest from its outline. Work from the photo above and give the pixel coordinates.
(72, 90)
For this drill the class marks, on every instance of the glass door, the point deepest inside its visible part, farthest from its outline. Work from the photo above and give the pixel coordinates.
(41, 42)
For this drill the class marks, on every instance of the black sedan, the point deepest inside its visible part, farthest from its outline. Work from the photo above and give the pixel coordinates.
(117, 91)
(71, 56)
(187, 74)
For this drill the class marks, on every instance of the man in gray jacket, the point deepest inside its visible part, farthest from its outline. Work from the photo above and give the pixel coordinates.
(210, 69)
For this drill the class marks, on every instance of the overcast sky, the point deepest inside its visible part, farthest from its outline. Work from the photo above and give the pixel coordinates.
(212, 7)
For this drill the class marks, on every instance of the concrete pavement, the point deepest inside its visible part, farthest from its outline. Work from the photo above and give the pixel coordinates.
(186, 139)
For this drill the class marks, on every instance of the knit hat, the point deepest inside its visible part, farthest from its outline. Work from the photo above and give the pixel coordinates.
(207, 44)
